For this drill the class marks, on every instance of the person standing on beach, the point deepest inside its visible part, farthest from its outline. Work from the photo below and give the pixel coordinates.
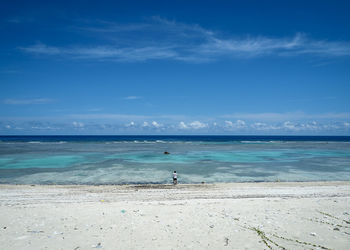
(174, 178)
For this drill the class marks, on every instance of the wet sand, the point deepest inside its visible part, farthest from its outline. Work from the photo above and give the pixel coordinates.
(303, 215)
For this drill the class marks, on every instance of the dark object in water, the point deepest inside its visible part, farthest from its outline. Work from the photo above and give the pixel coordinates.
(166, 153)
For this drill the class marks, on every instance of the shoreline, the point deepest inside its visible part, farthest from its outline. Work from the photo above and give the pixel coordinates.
(321, 182)
(129, 192)
(293, 215)
(185, 185)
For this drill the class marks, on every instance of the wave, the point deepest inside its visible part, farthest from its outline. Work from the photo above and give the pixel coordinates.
(254, 142)
(150, 142)
(45, 142)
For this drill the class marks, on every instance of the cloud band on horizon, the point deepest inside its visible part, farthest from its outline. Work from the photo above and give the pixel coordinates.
(275, 123)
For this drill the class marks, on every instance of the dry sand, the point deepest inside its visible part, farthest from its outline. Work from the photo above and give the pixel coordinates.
(218, 216)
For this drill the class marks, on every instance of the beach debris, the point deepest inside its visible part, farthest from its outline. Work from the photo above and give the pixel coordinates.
(226, 241)
(300, 242)
(211, 226)
(334, 217)
(4, 227)
(263, 237)
(98, 245)
(313, 234)
(123, 211)
(328, 223)
(102, 200)
(237, 219)
(35, 232)
(336, 229)
(76, 248)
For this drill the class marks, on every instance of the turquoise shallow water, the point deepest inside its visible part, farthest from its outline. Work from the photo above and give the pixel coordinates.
(192, 157)
(228, 157)
(133, 160)
(40, 161)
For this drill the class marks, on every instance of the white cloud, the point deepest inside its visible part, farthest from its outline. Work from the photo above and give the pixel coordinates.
(182, 125)
(197, 125)
(192, 125)
(169, 126)
(251, 46)
(78, 124)
(258, 46)
(281, 117)
(132, 97)
(27, 101)
(43, 49)
(312, 125)
(104, 52)
(228, 124)
(156, 124)
(43, 128)
(290, 125)
(131, 124)
(263, 126)
(185, 42)
(295, 126)
(152, 125)
(239, 124)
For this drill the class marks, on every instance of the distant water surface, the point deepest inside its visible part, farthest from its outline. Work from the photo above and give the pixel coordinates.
(141, 159)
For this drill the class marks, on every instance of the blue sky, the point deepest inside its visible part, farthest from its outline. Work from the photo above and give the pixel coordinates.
(175, 67)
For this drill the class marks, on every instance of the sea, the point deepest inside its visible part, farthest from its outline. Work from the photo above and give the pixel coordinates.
(96, 160)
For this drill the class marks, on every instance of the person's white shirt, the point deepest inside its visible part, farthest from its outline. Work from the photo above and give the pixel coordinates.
(174, 175)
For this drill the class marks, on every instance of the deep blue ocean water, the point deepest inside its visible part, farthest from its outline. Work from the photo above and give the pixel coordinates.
(141, 159)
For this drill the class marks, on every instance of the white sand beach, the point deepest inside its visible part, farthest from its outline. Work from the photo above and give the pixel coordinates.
(314, 215)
